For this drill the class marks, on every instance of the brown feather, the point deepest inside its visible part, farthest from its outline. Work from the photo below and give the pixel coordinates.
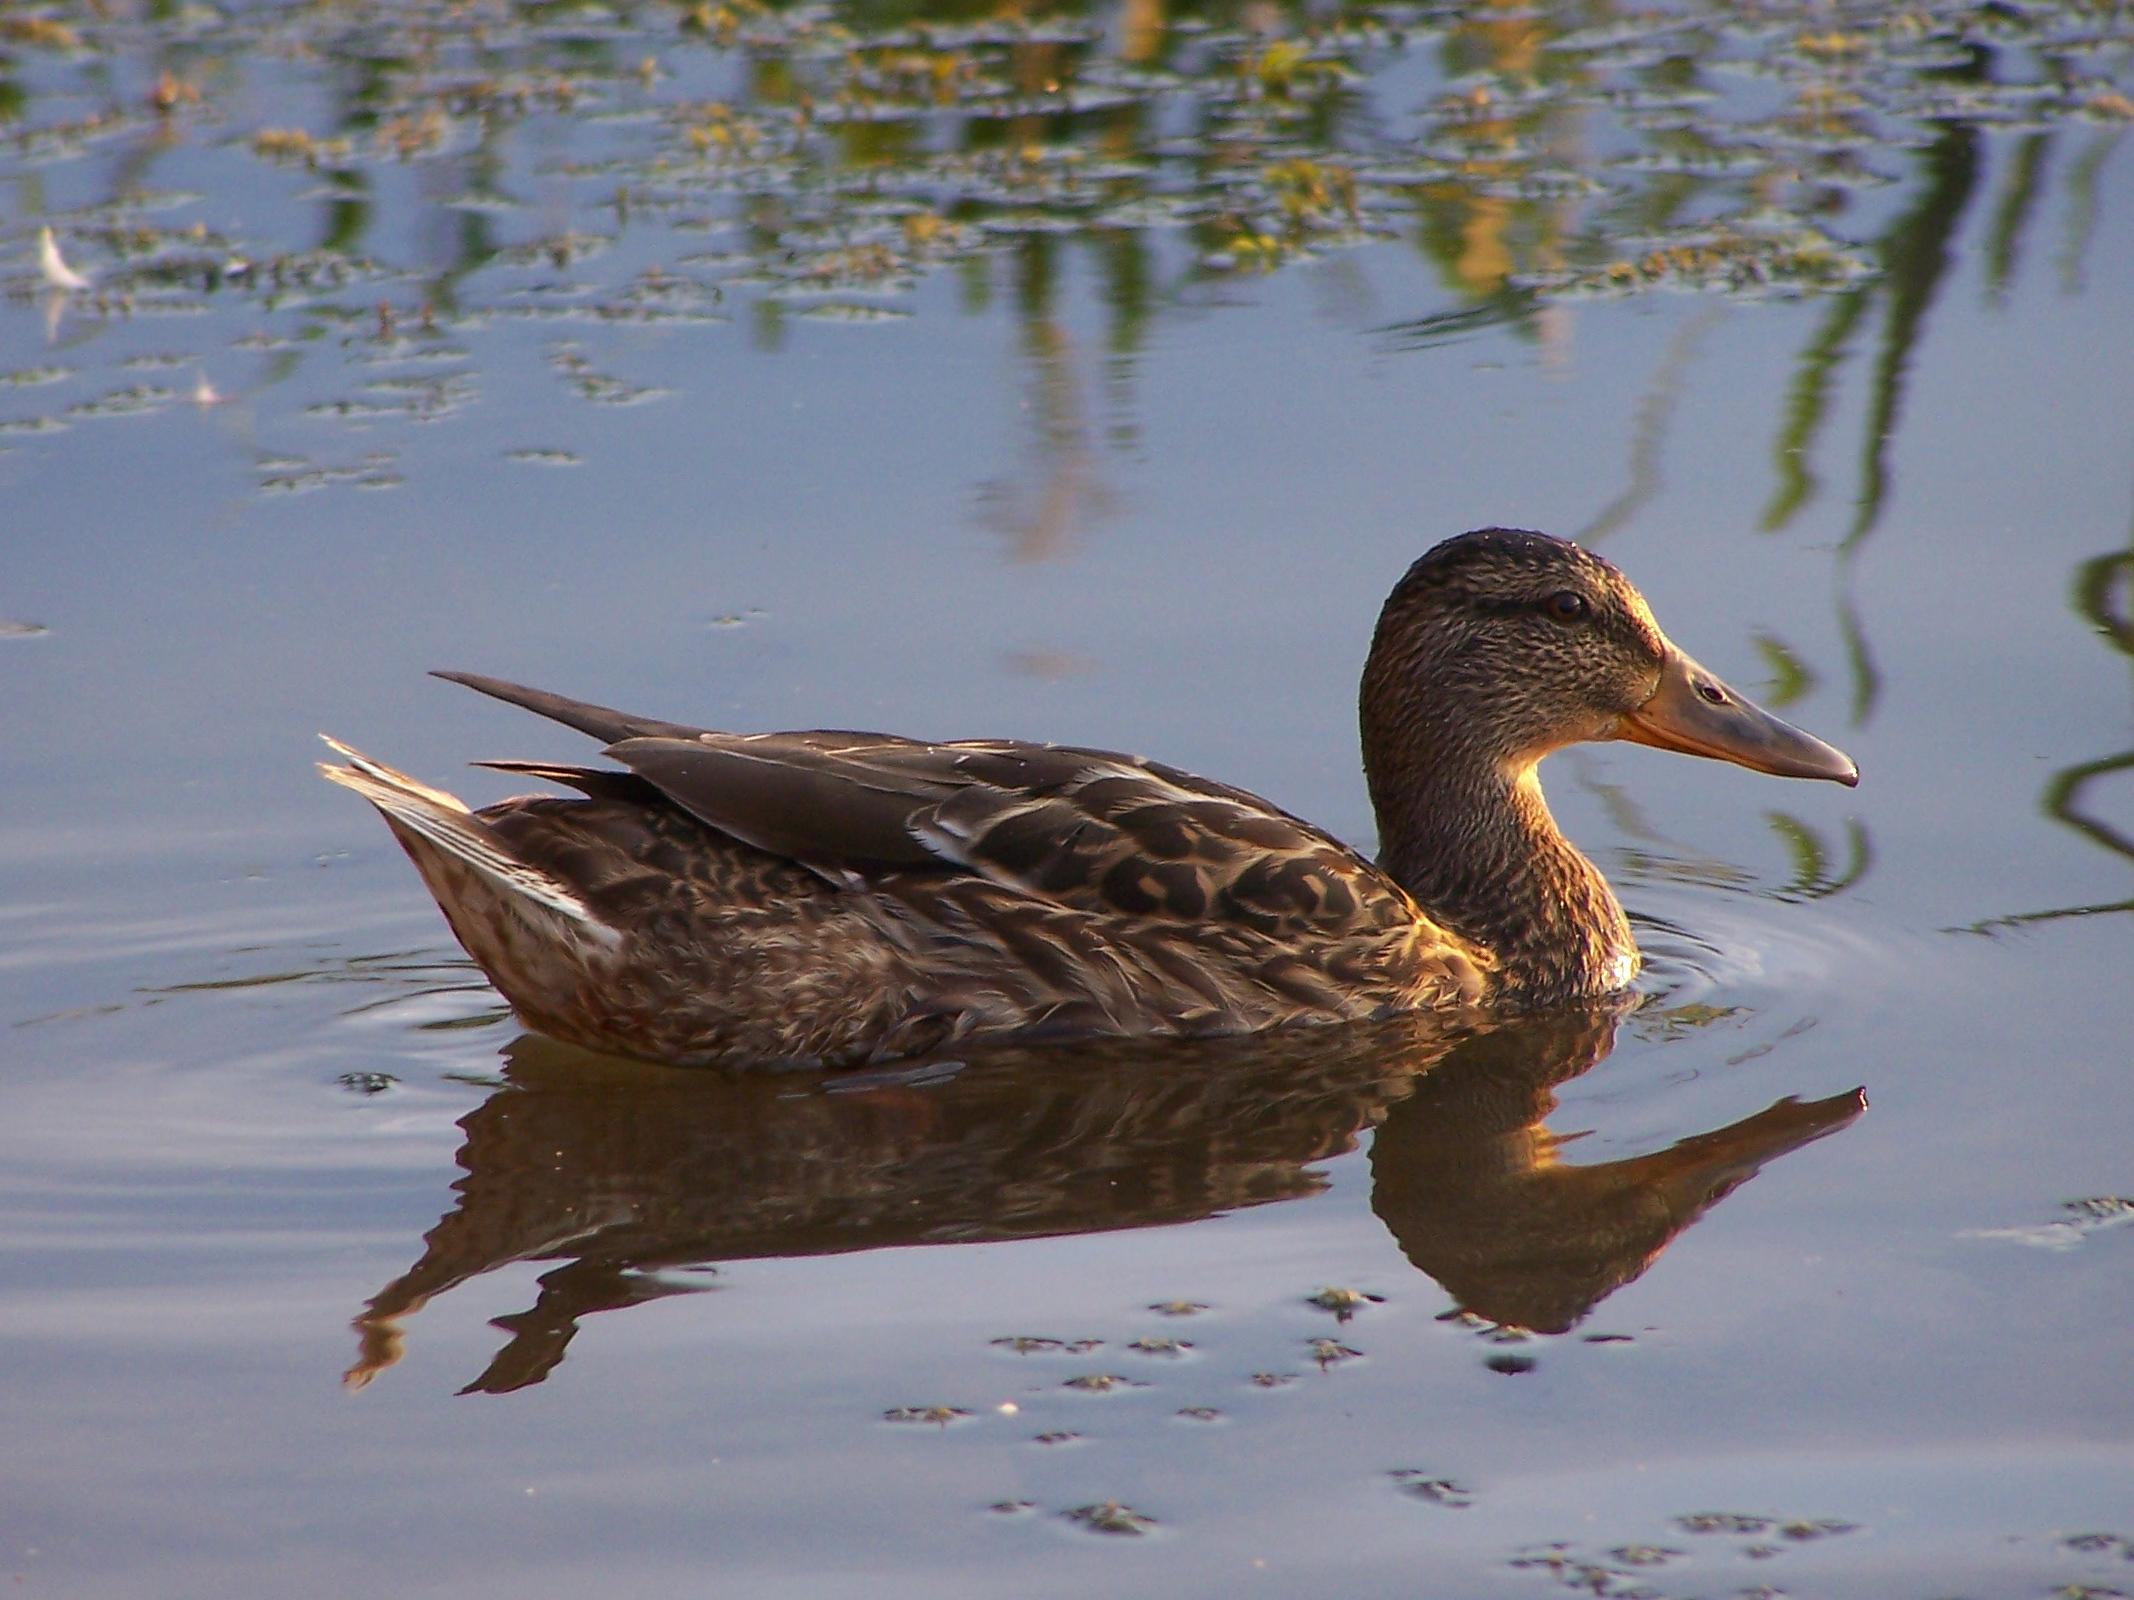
(840, 897)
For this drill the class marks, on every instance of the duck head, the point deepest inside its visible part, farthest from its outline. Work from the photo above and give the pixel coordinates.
(1496, 648)
(1530, 643)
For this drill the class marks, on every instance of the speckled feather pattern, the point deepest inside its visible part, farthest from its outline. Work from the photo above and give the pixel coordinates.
(845, 897)
(729, 953)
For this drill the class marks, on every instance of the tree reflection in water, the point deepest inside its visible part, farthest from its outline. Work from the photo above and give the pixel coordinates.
(606, 171)
(622, 1171)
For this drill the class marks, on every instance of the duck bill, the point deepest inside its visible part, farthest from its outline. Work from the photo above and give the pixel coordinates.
(1693, 712)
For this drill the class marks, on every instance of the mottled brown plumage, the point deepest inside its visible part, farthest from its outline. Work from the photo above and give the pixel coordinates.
(842, 897)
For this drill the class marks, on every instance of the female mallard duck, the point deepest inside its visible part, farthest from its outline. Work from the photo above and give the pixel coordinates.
(848, 897)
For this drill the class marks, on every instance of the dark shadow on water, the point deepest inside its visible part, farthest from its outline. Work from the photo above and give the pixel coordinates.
(621, 1172)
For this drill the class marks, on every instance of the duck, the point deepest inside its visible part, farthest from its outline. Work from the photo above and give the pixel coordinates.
(835, 898)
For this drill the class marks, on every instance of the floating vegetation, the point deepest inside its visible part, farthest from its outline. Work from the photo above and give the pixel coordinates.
(2100, 1544)
(1272, 1380)
(1178, 1308)
(402, 400)
(1573, 1572)
(294, 475)
(1160, 1347)
(937, 1416)
(1722, 1522)
(836, 311)
(23, 630)
(1058, 1436)
(1101, 1383)
(1029, 1345)
(1643, 1555)
(1198, 1414)
(1439, 1491)
(366, 1083)
(2095, 1215)
(1625, 1571)
(1344, 1303)
(1110, 1516)
(1804, 1530)
(833, 157)
(1794, 1530)
(1330, 1352)
(137, 400)
(545, 458)
(599, 387)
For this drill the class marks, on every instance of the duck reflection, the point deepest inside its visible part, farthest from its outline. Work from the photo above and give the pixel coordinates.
(622, 1171)
(1466, 1177)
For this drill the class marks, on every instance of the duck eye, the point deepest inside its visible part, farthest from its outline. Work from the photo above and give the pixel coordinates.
(1567, 605)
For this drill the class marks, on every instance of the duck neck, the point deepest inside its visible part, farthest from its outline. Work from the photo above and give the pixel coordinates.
(1472, 839)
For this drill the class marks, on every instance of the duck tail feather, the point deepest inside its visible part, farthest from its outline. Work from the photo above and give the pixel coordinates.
(603, 723)
(443, 821)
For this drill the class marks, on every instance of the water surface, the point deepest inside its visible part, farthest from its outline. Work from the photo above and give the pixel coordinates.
(1086, 375)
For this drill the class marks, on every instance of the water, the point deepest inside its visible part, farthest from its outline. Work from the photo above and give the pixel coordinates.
(1129, 407)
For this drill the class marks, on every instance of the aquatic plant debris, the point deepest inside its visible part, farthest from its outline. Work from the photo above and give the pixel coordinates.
(1160, 1347)
(1804, 1529)
(1110, 1516)
(1030, 1344)
(2096, 1215)
(1436, 1489)
(1330, 1352)
(2097, 1544)
(1344, 1303)
(938, 1416)
(1722, 1522)
(366, 1083)
(739, 166)
(1623, 1571)
(1644, 1555)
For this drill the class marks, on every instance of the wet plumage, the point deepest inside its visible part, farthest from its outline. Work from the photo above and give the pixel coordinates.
(842, 897)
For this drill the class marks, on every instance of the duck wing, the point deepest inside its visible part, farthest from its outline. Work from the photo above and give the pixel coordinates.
(1088, 830)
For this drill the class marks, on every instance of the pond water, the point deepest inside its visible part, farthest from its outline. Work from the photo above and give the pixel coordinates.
(1085, 375)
